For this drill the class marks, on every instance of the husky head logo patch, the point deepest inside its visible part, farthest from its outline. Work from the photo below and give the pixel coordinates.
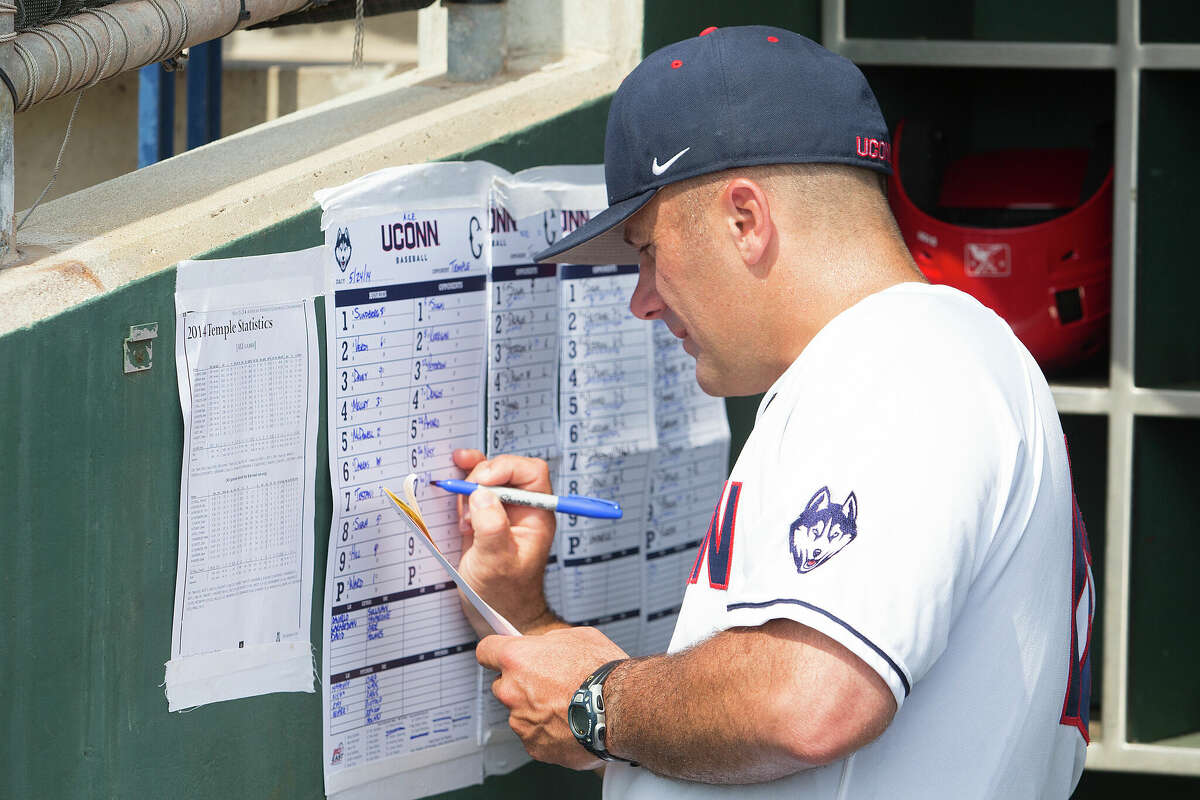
(342, 249)
(822, 530)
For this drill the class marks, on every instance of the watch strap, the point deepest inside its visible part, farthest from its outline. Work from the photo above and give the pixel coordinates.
(600, 673)
(589, 698)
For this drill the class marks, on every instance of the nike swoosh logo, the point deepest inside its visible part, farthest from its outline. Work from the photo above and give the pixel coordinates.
(658, 169)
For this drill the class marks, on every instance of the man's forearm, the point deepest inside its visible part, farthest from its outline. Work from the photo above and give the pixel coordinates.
(545, 622)
(748, 705)
(695, 715)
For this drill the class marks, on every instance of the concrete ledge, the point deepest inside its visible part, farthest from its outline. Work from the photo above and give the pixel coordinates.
(98, 239)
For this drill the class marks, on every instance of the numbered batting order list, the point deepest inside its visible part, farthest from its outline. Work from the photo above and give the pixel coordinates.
(608, 436)
(406, 362)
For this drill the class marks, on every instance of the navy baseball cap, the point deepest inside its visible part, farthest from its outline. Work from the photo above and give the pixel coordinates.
(730, 97)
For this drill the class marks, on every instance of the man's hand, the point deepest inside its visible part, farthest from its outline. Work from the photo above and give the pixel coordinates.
(538, 676)
(504, 554)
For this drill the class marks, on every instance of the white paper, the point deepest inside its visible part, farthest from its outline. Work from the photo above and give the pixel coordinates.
(406, 299)
(492, 617)
(247, 365)
(522, 329)
(687, 475)
(607, 437)
(522, 407)
(522, 413)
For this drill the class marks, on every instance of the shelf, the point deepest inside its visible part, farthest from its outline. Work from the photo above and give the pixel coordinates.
(1186, 740)
(1169, 56)
(1085, 397)
(1012, 55)
(1168, 760)
(1166, 402)
(1081, 398)
(1025, 73)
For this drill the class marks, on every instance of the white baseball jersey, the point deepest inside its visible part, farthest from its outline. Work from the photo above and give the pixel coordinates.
(906, 491)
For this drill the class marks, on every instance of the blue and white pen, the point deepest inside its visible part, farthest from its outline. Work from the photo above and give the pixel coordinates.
(565, 504)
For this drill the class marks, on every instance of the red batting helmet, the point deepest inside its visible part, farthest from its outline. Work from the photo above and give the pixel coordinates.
(1027, 232)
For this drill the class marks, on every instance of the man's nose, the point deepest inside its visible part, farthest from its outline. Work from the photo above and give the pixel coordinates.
(645, 302)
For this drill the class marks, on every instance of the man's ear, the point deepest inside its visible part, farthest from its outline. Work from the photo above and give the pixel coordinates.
(746, 215)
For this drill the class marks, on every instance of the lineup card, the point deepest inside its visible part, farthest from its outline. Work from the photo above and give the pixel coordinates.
(522, 373)
(522, 338)
(406, 330)
(607, 437)
(522, 416)
(688, 473)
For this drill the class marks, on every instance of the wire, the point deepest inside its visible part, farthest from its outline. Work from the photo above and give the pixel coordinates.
(8, 84)
(57, 164)
(101, 68)
(104, 14)
(356, 58)
(5, 38)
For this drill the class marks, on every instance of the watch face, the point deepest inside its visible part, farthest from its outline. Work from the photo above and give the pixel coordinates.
(579, 720)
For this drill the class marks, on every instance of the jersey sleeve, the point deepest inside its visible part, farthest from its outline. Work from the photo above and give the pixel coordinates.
(873, 505)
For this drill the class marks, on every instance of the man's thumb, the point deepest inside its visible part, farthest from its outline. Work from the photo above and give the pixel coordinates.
(488, 519)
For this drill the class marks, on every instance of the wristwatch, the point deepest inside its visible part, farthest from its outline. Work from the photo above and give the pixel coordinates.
(585, 714)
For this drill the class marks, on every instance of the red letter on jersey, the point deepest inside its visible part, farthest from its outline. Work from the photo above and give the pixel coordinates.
(1077, 702)
(718, 542)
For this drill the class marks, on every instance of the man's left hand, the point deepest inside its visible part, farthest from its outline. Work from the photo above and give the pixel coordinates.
(538, 676)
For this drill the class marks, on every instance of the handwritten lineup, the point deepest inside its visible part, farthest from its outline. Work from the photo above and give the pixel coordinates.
(407, 350)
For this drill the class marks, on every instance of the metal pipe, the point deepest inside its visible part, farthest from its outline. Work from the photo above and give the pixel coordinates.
(8, 16)
(98, 43)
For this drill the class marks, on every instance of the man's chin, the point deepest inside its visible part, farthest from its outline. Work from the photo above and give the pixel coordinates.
(710, 381)
(730, 382)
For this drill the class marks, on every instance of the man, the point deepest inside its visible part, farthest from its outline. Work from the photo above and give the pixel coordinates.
(893, 599)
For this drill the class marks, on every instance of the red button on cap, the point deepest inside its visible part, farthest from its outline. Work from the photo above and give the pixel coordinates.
(772, 38)
(708, 30)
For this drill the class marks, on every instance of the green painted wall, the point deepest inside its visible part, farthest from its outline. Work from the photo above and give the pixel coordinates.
(90, 460)
(89, 495)
(671, 20)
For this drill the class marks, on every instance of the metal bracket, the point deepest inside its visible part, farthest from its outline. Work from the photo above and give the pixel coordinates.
(139, 347)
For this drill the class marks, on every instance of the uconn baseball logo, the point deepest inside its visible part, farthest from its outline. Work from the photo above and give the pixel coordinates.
(822, 530)
(868, 147)
(342, 249)
(717, 547)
